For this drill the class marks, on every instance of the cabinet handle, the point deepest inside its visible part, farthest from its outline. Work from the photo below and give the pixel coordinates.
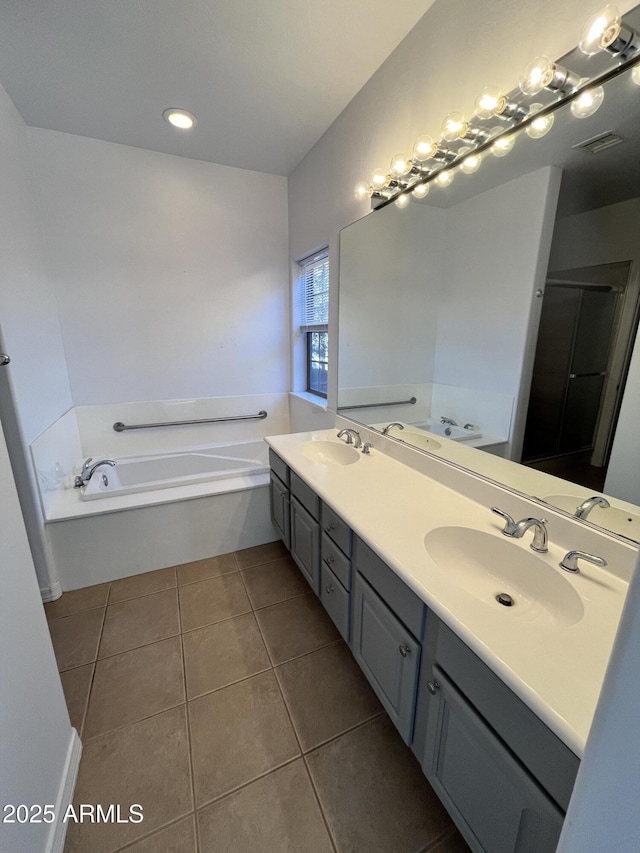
(433, 687)
(404, 651)
(330, 589)
(331, 526)
(329, 560)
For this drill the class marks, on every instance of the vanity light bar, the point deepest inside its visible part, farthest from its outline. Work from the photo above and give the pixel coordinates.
(435, 160)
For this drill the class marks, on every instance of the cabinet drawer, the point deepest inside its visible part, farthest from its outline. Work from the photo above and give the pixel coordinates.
(495, 803)
(307, 497)
(404, 603)
(336, 600)
(335, 528)
(538, 748)
(335, 560)
(279, 466)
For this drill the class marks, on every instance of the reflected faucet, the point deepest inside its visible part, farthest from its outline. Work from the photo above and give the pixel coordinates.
(388, 427)
(540, 536)
(585, 507)
(88, 469)
(450, 421)
(353, 437)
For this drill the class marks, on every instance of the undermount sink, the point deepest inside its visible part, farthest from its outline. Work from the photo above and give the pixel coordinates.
(329, 453)
(613, 518)
(490, 568)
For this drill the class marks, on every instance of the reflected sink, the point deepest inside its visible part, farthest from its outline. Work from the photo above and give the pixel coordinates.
(613, 518)
(485, 565)
(329, 453)
(417, 438)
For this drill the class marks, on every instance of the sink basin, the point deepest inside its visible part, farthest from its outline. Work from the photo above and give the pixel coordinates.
(329, 453)
(486, 565)
(613, 518)
(418, 439)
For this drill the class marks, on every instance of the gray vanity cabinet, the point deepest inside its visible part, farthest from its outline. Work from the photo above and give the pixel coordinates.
(305, 530)
(279, 497)
(335, 569)
(388, 621)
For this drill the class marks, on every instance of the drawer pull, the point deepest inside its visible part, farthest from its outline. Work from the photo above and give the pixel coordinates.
(331, 526)
(329, 560)
(330, 588)
(433, 687)
(404, 651)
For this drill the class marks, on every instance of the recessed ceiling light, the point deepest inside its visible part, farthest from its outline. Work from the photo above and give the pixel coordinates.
(181, 119)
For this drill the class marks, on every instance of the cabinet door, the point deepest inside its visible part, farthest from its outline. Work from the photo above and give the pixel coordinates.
(305, 543)
(388, 654)
(496, 804)
(279, 501)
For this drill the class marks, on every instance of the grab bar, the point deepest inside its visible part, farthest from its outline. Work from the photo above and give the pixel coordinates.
(120, 427)
(412, 401)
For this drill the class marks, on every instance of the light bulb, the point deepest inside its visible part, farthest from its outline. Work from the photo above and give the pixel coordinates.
(421, 190)
(536, 76)
(487, 101)
(179, 118)
(539, 127)
(403, 200)
(503, 145)
(454, 127)
(443, 179)
(471, 164)
(379, 179)
(635, 74)
(600, 31)
(363, 190)
(400, 165)
(425, 147)
(587, 102)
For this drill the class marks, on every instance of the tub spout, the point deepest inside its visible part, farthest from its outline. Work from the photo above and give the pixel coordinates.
(87, 470)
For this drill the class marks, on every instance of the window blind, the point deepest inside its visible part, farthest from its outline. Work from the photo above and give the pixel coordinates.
(315, 293)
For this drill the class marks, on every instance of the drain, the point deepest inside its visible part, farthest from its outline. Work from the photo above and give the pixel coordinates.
(505, 599)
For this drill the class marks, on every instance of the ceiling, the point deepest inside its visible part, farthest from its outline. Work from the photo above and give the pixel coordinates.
(265, 78)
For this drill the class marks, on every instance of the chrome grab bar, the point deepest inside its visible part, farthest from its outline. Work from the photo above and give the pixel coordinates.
(120, 427)
(412, 401)
(4, 359)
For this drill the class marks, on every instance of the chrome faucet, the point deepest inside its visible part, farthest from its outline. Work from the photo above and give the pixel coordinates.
(88, 469)
(388, 427)
(353, 437)
(585, 507)
(570, 560)
(450, 421)
(540, 536)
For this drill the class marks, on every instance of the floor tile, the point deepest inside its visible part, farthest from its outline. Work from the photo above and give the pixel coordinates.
(212, 567)
(144, 584)
(374, 794)
(145, 763)
(180, 837)
(326, 694)
(237, 734)
(220, 654)
(212, 600)
(295, 627)
(273, 582)
(261, 554)
(75, 638)
(76, 684)
(77, 600)
(139, 621)
(134, 685)
(276, 814)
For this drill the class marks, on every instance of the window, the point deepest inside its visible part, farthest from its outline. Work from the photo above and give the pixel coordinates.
(314, 280)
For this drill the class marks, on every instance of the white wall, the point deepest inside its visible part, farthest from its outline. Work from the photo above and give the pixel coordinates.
(171, 274)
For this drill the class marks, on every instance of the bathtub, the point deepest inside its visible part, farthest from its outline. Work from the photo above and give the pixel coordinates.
(132, 474)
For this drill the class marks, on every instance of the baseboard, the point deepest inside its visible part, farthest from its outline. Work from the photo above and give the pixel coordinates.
(50, 593)
(65, 794)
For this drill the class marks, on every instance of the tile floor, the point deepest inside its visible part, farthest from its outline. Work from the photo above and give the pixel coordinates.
(219, 696)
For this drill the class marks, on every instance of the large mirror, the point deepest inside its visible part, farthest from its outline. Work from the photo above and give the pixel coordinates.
(495, 322)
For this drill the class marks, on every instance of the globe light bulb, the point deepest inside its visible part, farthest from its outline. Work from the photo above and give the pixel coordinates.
(539, 127)
(425, 148)
(454, 127)
(403, 200)
(400, 165)
(443, 179)
(536, 76)
(471, 164)
(421, 190)
(379, 179)
(635, 74)
(587, 102)
(363, 190)
(487, 101)
(600, 30)
(503, 145)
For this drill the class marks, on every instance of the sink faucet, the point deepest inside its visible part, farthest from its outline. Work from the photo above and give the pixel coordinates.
(444, 420)
(570, 560)
(388, 427)
(353, 437)
(540, 536)
(87, 470)
(585, 507)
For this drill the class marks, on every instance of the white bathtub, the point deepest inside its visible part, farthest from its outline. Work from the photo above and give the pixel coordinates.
(132, 474)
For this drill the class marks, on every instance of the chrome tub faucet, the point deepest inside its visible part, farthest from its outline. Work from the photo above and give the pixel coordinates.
(88, 469)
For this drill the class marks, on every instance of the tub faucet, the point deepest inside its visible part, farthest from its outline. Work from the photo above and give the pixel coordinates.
(450, 421)
(388, 427)
(585, 507)
(540, 536)
(87, 470)
(353, 436)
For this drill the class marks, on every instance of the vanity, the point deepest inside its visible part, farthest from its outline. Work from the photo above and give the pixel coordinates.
(495, 701)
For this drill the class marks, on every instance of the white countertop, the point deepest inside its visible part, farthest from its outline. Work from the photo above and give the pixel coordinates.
(556, 669)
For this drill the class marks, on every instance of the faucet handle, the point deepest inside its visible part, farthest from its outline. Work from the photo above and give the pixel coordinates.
(366, 448)
(570, 560)
(510, 525)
